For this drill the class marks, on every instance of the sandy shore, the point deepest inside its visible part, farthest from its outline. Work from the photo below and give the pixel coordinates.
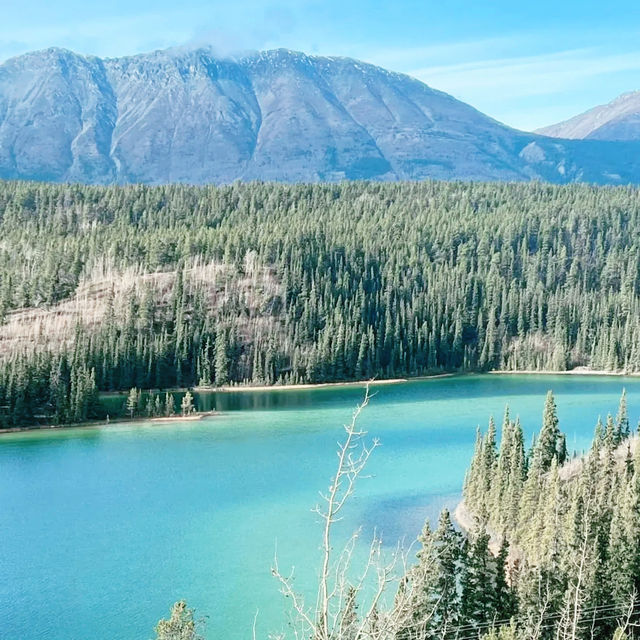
(193, 417)
(319, 385)
(578, 371)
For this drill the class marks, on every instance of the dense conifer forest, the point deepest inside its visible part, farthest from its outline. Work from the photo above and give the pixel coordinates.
(111, 288)
(568, 533)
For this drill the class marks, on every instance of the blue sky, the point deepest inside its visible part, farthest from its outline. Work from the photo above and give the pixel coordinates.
(525, 63)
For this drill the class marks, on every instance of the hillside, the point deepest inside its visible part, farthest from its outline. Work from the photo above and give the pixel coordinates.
(186, 115)
(619, 120)
(105, 296)
(160, 287)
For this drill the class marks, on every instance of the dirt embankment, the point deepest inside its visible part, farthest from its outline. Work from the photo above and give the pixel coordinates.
(107, 290)
(467, 523)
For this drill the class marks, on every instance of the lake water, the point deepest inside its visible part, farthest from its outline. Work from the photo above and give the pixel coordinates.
(101, 530)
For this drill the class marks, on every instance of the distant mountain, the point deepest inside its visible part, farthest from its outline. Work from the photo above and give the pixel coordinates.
(185, 115)
(617, 120)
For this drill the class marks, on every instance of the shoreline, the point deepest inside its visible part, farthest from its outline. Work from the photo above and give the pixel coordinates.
(578, 371)
(315, 385)
(96, 424)
(196, 416)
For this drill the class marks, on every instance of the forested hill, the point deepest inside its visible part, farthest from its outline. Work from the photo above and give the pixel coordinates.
(106, 288)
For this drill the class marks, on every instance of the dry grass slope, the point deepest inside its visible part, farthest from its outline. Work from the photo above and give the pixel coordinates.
(255, 289)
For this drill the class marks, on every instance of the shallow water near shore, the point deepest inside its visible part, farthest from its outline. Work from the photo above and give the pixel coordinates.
(103, 529)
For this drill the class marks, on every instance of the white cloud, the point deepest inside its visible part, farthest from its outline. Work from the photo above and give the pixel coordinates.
(237, 26)
(526, 79)
(112, 37)
(527, 76)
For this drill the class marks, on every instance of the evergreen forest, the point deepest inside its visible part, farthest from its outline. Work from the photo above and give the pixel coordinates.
(565, 533)
(161, 287)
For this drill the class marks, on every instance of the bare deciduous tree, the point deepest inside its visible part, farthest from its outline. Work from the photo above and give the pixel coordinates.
(333, 615)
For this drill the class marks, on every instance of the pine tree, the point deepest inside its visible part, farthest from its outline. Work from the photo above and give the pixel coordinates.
(551, 442)
(489, 460)
(517, 475)
(477, 603)
(473, 481)
(446, 600)
(157, 406)
(221, 358)
(204, 379)
(149, 408)
(423, 580)
(623, 429)
(504, 599)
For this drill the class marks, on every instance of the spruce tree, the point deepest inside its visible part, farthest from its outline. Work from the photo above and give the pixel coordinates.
(504, 600)
(551, 442)
(221, 358)
(446, 599)
(623, 428)
(169, 405)
(157, 406)
(478, 606)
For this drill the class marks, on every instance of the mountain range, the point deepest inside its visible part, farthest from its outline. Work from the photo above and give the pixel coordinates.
(187, 115)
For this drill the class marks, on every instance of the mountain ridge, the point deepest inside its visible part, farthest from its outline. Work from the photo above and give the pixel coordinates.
(189, 115)
(618, 120)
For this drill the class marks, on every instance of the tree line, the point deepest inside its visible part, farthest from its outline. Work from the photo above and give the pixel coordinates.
(310, 284)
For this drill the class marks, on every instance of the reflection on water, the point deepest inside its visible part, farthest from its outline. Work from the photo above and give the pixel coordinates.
(243, 400)
(436, 389)
(397, 517)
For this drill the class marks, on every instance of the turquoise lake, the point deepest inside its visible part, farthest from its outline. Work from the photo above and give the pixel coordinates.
(102, 529)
